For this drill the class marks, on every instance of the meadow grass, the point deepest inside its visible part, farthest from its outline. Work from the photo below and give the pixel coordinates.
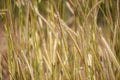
(62, 39)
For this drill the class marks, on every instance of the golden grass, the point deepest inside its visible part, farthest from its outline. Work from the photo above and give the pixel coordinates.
(62, 39)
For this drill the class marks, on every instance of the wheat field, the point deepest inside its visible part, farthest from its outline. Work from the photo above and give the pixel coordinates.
(60, 39)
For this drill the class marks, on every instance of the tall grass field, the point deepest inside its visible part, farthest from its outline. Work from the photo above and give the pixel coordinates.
(61, 39)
